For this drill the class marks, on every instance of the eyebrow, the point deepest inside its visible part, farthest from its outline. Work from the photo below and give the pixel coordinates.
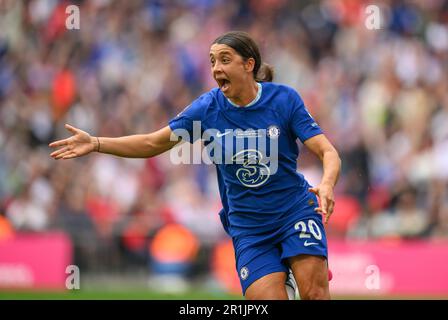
(222, 53)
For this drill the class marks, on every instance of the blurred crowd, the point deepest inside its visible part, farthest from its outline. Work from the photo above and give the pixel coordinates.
(381, 96)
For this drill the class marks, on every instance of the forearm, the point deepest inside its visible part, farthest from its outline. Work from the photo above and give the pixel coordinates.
(331, 162)
(133, 146)
(331, 167)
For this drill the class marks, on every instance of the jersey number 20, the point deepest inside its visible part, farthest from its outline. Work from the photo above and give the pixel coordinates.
(312, 226)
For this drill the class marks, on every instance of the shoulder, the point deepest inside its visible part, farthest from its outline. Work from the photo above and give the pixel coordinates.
(283, 99)
(209, 97)
(277, 87)
(282, 92)
(206, 99)
(199, 106)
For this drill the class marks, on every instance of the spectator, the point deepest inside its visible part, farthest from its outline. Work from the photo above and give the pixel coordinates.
(380, 95)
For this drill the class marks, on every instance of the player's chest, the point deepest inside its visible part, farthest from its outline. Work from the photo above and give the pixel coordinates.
(227, 137)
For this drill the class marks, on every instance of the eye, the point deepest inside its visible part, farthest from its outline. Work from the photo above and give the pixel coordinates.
(225, 60)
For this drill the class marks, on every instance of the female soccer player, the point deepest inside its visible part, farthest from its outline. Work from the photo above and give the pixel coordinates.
(271, 212)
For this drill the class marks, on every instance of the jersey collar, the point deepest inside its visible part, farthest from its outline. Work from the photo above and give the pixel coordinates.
(257, 97)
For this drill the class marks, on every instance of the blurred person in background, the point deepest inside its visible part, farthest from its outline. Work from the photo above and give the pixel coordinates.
(379, 94)
(267, 244)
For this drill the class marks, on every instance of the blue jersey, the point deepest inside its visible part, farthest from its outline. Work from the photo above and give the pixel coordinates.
(259, 184)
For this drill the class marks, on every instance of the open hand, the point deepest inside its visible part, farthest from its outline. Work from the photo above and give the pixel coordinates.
(79, 144)
(326, 200)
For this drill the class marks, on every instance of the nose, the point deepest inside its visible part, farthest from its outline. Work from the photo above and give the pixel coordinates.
(217, 67)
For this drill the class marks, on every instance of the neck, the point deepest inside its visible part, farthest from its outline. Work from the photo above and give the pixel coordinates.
(247, 95)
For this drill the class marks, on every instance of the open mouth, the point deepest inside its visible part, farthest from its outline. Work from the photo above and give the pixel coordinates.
(224, 84)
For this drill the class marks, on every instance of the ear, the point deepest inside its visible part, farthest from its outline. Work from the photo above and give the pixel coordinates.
(249, 65)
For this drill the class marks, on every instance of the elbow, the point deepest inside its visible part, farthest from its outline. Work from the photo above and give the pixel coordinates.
(340, 162)
(154, 146)
(338, 159)
(150, 146)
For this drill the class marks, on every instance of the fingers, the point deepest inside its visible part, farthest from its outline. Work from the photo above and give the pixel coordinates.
(68, 146)
(63, 154)
(321, 207)
(326, 209)
(70, 156)
(67, 155)
(58, 152)
(64, 142)
(324, 206)
(71, 129)
(327, 217)
(330, 206)
(326, 202)
(330, 210)
(59, 143)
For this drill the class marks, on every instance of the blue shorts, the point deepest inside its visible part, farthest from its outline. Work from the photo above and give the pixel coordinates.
(306, 235)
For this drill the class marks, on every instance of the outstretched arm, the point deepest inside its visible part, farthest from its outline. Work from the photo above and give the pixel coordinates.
(322, 148)
(134, 146)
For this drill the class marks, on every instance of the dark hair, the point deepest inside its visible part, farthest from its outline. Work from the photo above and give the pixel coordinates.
(246, 47)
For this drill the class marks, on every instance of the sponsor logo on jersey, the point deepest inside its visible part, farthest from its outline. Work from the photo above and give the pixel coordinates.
(249, 133)
(253, 172)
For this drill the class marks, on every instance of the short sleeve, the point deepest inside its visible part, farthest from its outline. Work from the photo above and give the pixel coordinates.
(187, 124)
(302, 123)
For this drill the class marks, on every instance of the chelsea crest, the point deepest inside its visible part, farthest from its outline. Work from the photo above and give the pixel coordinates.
(273, 132)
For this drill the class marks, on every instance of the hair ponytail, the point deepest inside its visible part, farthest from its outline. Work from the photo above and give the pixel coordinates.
(265, 73)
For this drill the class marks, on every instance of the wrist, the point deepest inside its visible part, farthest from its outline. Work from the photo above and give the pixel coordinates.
(95, 141)
(327, 184)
